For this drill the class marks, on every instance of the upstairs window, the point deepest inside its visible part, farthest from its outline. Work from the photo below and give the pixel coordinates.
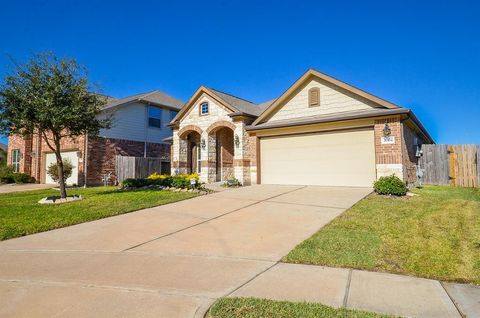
(154, 117)
(204, 109)
(314, 97)
(16, 160)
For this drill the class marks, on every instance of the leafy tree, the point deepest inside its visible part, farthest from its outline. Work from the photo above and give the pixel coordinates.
(52, 170)
(51, 97)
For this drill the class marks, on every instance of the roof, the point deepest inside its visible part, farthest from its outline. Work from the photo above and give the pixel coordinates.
(3, 147)
(343, 116)
(329, 79)
(241, 105)
(153, 97)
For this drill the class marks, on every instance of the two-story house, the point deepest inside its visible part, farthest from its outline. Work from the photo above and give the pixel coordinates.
(139, 127)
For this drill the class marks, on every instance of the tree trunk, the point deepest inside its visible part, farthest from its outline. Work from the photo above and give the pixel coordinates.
(61, 179)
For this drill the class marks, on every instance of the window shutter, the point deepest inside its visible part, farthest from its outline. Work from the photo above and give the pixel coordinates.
(314, 97)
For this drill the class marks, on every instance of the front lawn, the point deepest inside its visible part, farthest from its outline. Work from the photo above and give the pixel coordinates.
(263, 308)
(435, 234)
(20, 214)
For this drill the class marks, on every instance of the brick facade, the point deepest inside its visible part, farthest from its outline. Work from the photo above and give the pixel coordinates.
(101, 154)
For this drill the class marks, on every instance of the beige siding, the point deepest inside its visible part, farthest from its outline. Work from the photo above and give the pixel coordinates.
(130, 123)
(331, 101)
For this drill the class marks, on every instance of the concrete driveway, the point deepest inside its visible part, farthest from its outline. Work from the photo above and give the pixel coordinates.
(168, 261)
(12, 187)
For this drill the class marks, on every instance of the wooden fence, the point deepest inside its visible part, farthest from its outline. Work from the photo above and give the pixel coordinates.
(456, 165)
(139, 167)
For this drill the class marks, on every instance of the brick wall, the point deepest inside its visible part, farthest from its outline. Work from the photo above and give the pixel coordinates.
(102, 152)
(389, 156)
(24, 144)
(409, 150)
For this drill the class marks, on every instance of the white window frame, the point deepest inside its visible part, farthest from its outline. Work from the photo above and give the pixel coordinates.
(16, 158)
(202, 113)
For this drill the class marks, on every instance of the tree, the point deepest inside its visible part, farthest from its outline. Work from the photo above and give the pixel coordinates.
(52, 170)
(51, 97)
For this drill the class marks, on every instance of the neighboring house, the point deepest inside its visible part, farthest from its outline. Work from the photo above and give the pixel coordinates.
(140, 124)
(321, 131)
(3, 153)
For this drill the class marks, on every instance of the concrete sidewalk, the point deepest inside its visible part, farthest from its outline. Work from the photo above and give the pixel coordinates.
(385, 293)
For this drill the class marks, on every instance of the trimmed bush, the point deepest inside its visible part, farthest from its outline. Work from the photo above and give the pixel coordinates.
(6, 174)
(391, 185)
(177, 181)
(22, 178)
(52, 170)
(232, 183)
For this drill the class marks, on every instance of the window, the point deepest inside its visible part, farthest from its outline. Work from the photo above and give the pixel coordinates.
(154, 117)
(173, 114)
(314, 97)
(16, 160)
(204, 109)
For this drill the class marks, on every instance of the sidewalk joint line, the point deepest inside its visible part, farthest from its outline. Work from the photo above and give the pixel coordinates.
(208, 220)
(452, 300)
(251, 279)
(347, 288)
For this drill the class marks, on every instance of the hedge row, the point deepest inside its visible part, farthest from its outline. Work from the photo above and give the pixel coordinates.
(7, 175)
(177, 181)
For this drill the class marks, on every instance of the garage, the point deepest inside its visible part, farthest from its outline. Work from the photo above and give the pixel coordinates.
(345, 158)
(70, 155)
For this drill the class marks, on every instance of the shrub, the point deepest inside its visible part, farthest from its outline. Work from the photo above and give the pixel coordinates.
(52, 170)
(233, 182)
(390, 185)
(22, 178)
(7, 174)
(177, 181)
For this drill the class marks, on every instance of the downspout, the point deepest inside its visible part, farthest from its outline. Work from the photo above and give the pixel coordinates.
(85, 160)
(146, 133)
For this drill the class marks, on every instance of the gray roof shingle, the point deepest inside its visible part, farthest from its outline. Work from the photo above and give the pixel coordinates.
(241, 104)
(154, 97)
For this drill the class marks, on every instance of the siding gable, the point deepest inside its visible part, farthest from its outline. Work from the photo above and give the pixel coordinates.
(332, 100)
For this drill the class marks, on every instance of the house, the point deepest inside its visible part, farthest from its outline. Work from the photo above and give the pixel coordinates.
(140, 123)
(321, 131)
(3, 153)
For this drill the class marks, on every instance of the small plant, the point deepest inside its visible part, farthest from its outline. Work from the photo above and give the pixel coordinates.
(232, 183)
(391, 185)
(52, 170)
(7, 174)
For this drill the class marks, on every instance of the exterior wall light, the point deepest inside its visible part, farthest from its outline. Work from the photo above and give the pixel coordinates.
(202, 143)
(237, 141)
(386, 130)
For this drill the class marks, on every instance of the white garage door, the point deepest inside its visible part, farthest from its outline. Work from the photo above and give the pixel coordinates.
(73, 157)
(329, 159)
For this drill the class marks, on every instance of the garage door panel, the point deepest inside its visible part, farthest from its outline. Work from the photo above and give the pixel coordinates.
(331, 159)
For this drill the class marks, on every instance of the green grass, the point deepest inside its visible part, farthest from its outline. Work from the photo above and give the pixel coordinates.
(20, 214)
(435, 234)
(263, 308)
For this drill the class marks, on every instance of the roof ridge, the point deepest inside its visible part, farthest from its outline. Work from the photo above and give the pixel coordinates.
(219, 91)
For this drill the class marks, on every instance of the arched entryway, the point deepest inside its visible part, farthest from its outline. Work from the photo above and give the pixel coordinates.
(194, 154)
(222, 151)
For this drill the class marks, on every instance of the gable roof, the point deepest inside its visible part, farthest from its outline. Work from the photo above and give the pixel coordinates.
(308, 75)
(153, 97)
(3, 147)
(237, 105)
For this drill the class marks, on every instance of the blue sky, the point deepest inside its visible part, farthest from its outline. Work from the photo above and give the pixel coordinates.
(418, 54)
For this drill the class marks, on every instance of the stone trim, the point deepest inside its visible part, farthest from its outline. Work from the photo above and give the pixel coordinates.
(182, 133)
(220, 124)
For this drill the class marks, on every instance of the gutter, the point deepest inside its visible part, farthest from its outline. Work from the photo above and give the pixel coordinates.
(383, 113)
